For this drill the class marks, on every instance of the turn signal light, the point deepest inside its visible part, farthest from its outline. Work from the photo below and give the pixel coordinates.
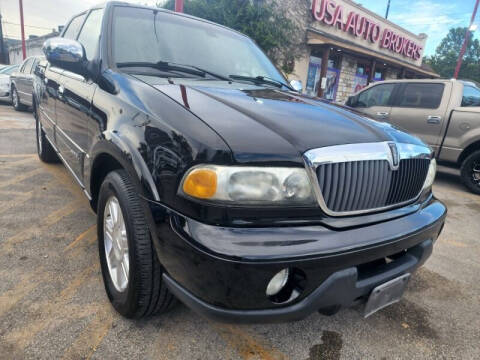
(201, 183)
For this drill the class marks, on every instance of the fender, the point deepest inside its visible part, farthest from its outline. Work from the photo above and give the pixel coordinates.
(128, 157)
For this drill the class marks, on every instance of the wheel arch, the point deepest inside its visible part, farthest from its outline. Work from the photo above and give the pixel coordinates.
(468, 150)
(112, 154)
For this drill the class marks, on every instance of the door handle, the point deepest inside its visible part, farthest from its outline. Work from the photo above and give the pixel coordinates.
(382, 114)
(434, 119)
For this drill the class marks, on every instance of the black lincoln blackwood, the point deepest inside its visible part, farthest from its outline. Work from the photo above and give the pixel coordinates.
(216, 183)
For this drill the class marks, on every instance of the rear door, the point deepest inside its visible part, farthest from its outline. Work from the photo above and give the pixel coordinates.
(375, 101)
(21, 81)
(420, 109)
(47, 97)
(74, 104)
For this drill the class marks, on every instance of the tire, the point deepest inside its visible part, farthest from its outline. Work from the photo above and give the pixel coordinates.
(143, 294)
(17, 105)
(45, 150)
(470, 172)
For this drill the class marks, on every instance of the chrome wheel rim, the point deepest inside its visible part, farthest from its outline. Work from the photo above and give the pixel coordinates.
(116, 244)
(39, 137)
(476, 172)
(15, 98)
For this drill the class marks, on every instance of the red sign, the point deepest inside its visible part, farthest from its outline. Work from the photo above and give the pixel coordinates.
(333, 14)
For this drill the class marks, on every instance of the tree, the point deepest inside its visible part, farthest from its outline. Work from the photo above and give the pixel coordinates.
(446, 56)
(261, 20)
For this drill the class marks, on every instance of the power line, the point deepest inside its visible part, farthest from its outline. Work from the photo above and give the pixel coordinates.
(31, 26)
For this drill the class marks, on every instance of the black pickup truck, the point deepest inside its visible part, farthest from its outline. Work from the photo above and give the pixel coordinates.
(216, 183)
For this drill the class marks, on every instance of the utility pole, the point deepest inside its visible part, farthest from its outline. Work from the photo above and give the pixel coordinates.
(179, 6)
(388, 9)
(22, 26)
(3, 57)
(465, 41)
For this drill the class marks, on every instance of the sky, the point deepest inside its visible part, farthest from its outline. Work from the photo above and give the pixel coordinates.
(432, 17)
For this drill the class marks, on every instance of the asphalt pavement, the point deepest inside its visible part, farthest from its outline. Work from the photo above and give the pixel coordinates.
(53, 305)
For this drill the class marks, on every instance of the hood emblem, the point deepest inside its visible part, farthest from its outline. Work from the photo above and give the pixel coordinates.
(395, 155)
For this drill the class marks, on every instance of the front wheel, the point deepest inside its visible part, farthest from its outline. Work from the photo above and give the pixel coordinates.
(131, 271)
(17, 105)
(470, 172)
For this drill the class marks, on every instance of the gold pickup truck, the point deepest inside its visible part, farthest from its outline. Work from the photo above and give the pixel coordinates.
(443, 113)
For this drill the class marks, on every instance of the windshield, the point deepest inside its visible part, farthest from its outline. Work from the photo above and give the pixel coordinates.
(9, 70)
(144, 35)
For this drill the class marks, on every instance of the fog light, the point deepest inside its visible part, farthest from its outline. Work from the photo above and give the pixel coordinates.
(278, 282)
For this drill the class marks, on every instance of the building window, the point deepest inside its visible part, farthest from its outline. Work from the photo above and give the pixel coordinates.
(332, 77)
(363, 69)
(313, 76)
(361, 77)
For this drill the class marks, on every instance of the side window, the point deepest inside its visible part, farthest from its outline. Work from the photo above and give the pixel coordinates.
(34, 65)
(74, 27)
(27, 67)
(25, 62)
(90, 33)
(421, 95)
(379, 95)
(471, 96)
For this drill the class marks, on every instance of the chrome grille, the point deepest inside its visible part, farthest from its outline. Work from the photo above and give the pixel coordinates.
(370, 184)
(360, 178)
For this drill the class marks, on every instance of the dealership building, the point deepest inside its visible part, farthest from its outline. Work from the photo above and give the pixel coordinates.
(346, 47)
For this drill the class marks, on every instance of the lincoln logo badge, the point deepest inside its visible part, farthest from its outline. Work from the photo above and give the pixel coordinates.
(395, 156)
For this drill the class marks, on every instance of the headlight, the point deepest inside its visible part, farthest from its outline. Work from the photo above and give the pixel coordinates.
(432, 170)
(248, 185)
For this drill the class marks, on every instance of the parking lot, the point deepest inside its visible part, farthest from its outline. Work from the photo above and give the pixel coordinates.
(52, 302)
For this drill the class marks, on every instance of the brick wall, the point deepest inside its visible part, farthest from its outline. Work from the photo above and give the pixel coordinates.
(348, 69)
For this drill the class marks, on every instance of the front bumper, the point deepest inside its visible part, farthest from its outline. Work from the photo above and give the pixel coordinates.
(223, 272)
(5, 96)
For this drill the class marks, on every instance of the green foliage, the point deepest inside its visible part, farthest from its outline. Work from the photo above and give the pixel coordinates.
(263, 21)
(445, 59)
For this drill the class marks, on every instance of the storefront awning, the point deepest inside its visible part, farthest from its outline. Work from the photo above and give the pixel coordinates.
(317, 37)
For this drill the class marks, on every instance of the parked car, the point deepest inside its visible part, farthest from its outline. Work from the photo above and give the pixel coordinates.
(5, 73)
(21, 84)
(215, 182)
(444, 113)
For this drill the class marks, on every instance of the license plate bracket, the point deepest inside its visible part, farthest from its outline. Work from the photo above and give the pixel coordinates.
(386, 294)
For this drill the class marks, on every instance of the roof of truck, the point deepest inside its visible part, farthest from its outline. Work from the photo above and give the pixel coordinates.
(467, 82)
(124, 3)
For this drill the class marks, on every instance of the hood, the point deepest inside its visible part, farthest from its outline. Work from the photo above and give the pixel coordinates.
(4, 78)
(262, 124)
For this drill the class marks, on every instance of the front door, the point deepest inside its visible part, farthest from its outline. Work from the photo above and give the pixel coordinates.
(75, 98)
(376, 101)
(420, 109)
(73, 113)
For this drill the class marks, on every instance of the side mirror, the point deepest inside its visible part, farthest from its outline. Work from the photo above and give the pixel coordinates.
(66, 54)
(296, 85)
(352, 101)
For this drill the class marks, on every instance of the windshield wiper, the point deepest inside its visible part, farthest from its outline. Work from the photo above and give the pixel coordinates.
(169, 66)
(261, 80)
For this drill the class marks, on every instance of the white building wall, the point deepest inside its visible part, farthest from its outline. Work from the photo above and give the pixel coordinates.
(33, 48)
(16, 57)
